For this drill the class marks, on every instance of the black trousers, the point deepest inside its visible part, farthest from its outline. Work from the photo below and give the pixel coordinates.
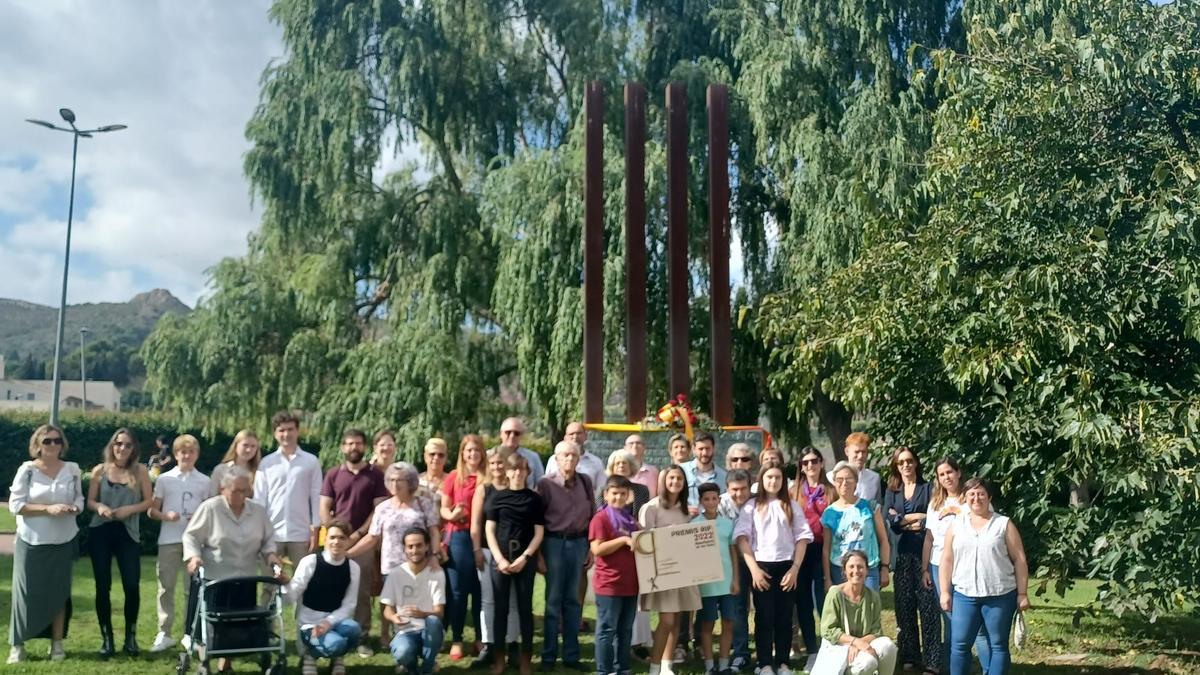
(773, 617)
(502, 583)
(105, 542)
(810, 593)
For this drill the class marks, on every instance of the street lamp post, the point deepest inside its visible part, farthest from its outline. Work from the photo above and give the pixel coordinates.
(69, 117)
(83, 367)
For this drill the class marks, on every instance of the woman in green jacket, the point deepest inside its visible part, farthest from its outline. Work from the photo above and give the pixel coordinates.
(851, 617)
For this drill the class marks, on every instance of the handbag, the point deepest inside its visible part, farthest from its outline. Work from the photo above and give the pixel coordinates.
(833, 659)
(1020, 630)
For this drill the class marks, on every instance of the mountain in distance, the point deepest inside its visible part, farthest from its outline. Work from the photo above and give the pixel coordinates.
(28, 329)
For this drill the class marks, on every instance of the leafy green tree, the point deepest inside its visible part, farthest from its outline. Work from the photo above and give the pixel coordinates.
(472, 252)
(829, 87)
(1041, 320)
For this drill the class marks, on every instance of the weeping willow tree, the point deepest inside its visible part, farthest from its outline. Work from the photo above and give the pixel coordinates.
(412, 298)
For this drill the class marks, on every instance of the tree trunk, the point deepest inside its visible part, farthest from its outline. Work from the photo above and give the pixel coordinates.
(835, 419)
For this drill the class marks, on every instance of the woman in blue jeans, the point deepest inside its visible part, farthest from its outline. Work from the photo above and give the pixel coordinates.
(946, 506)
(458, 496)
(984, 580)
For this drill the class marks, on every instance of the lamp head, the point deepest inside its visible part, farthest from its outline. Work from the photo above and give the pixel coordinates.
(67, 115)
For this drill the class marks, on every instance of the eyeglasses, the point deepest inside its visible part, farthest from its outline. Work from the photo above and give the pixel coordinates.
(52, 440)
(810, 462)
(904, 461)
(739, 459)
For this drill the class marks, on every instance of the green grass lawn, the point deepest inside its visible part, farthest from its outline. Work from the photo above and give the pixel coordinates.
(1108, 645)
(8, 522)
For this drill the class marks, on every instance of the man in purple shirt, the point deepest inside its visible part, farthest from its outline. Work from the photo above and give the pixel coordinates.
(564, 553)
(350, 493)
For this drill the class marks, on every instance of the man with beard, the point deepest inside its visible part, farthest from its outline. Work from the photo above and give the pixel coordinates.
(350, 493)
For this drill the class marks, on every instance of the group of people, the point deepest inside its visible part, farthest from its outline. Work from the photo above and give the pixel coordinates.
(441, 551)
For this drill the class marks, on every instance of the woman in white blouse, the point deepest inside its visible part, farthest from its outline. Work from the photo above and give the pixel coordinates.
(984, 580)
(45, 496)
(772, 535)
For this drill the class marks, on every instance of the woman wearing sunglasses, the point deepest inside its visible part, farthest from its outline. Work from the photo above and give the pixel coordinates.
(905, 507)
(118, 493)
(45, 496)
(813, 492)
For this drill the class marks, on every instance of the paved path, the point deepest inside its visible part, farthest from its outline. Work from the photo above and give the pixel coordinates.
(7, 539)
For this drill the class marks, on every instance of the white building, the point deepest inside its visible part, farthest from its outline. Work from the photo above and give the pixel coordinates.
(36, 394)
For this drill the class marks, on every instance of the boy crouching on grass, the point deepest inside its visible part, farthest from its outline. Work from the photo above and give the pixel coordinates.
(325, 591)
(717, 595)
(414, 601)
(615, 578)
(177, 495)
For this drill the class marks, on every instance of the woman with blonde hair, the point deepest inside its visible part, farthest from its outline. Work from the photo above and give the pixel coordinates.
(494, 478)
(118, 493)
(457, 497)
(436, 452)
(245, 451)
(45, 495)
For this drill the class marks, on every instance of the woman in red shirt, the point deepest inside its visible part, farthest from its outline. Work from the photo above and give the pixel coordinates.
(814, 492)
(458, 492)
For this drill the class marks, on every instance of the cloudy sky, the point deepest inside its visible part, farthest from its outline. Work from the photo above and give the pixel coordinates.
(158, 203)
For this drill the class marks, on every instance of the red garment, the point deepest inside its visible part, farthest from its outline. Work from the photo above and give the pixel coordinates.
(814, 501)
(354, 494)
(616, 573)
(459, 494)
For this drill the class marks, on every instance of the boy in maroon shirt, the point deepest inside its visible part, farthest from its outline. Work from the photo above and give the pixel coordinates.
(615, 578)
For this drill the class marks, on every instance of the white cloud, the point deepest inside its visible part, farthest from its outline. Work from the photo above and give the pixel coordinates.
(167, 196)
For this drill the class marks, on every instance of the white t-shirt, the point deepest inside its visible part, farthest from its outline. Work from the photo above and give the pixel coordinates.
(31, 486)
(939, 523)
(183, 494)
(424, 589)
(982, 566)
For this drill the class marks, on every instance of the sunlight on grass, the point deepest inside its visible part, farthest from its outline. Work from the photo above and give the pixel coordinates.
(1108, 645)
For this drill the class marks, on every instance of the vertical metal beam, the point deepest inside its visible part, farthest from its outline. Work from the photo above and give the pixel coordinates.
(678, 282)
(635, 252)
(593, 255)
(718, 252)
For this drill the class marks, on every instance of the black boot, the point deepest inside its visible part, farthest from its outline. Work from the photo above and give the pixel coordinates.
(107, 648)
(131, 645)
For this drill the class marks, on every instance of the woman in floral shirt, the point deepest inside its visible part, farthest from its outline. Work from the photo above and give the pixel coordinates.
(392, 517)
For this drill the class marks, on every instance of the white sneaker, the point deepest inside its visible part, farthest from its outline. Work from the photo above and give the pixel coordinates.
(162, 642)
(766, 670)
(57, 653)
(680, 655)
(783, 670)
(16, 654)
(364, 652)
(186, 643)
